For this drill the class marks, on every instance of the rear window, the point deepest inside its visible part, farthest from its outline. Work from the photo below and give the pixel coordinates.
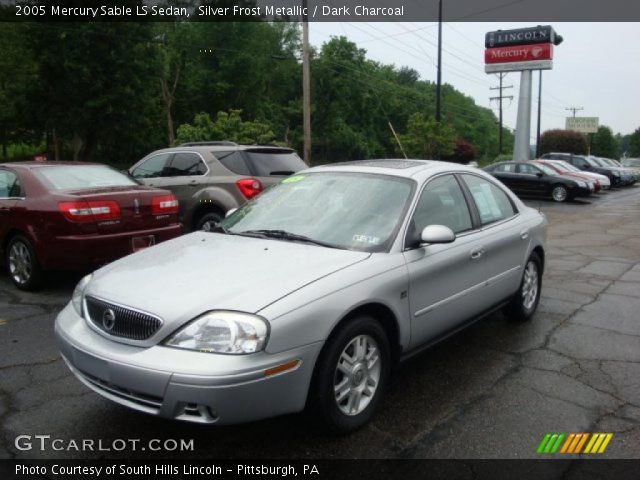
(269, 162)
(76, 177)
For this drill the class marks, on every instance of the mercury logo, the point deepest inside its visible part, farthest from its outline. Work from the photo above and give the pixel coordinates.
(536, 52)
(108, 319)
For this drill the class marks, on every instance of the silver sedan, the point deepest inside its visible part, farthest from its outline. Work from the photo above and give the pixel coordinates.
(306, 296)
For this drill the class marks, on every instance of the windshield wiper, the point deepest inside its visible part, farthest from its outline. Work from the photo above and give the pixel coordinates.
(284, 235)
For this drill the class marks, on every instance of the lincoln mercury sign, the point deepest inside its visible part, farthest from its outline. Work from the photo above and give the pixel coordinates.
(582, 124)
(520, 49)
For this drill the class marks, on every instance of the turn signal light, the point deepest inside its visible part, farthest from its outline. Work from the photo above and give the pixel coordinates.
(95, 211)
(249, 187)
(164, 204)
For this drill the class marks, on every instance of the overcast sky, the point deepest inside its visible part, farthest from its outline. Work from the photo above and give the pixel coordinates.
(597, 67)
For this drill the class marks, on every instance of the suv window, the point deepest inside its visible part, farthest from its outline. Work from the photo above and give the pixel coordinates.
(233, 161)
(152, 167)
(185, 164)
(492, 202)
(442, 203)
(9, 185)
(268, 162)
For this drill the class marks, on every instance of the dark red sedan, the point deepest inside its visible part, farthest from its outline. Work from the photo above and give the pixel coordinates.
(76, 216)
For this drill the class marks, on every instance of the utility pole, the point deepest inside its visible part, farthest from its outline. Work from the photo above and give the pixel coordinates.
(499, 98)
(539, 114)
(574, 110)
(306, 86)
(439, 81)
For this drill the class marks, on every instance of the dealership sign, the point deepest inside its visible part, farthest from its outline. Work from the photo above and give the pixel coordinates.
(520, 49)
(582, 124)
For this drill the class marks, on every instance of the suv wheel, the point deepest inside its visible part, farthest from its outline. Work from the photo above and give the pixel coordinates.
(208, 221)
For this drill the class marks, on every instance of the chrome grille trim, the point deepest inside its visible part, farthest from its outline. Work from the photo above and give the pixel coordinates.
(129, 323)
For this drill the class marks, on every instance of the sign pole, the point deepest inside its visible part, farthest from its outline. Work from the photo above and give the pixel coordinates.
(521, 148)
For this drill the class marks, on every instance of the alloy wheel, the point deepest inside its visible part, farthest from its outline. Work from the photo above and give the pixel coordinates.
(530, 286)
(559, 193)
(20, 263)
(357, 375)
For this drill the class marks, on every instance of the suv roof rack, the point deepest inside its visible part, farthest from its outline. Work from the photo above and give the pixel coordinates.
(226, 143)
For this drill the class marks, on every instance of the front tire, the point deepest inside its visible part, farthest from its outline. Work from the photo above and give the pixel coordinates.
(351, 375)
(22, 264)
(559, 193)
(525, 301)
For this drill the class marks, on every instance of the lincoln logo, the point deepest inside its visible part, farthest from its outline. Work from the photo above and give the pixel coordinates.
(108, 319)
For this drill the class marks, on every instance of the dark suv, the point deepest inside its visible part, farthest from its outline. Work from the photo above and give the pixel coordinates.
(211, 178)
(584, 162)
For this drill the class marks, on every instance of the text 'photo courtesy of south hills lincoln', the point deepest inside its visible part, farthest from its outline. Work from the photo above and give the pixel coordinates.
(370, 239)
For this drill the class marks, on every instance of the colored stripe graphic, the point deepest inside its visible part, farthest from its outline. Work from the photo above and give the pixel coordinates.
(572, 443)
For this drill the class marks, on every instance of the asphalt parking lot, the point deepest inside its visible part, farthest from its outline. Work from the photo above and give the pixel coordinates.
(492, 391)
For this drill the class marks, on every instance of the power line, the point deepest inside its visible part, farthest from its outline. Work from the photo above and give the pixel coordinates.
(500, 88)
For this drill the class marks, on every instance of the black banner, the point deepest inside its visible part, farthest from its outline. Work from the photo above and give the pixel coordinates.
(319, 469)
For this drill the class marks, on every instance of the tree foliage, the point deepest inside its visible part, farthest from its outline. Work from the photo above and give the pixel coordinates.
(634, 144)
(464, 152)
(427, 139)
(603, 143)
(228, 126)
(566, 141)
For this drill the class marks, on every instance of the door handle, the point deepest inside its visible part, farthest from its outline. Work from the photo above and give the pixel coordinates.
(524, 234)
(192, 184)
(477, 253)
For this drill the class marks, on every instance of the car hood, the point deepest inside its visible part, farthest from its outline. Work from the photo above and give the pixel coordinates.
(179, 279)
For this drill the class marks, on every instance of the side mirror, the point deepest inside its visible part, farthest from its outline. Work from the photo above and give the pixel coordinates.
(437, 234)
(230, 212)
(539, 174)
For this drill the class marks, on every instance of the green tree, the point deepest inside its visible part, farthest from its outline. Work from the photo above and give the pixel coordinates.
(566, 141)
(228, 126)
(603, 143)
(634, 144)
(427, 139)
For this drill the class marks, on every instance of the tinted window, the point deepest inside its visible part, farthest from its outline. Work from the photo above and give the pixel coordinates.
(233, 161)
(493, 204)
(9, 185)
(75, 177)
(528, 169)
(580, 162)
(186, 164)
(442, 203)
(264, 163)
(505, 168)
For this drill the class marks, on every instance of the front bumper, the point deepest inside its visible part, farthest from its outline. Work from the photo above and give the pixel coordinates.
(185, 385)
(580, 191)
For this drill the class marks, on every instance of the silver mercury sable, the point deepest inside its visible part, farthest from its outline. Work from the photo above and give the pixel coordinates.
(306, 296)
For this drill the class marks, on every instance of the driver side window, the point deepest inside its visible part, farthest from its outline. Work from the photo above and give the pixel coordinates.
(441, 203)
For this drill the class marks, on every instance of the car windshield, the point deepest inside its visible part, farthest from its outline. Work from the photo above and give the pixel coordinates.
(546, 169)
(343, 210)
(75, 177)
(597, 162)
(567, 167)
(592, 161)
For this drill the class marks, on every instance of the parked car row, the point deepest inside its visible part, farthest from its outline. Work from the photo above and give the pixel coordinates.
(79, 216)
(561, 176)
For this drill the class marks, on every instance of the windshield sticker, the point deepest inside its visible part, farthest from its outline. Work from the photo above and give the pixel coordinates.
(366, 239)
(294, 179)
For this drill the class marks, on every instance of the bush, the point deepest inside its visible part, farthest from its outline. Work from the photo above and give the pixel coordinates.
(464, 152)
(564, 141)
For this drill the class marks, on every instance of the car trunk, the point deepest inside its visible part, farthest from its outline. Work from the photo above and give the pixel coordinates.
(135, 205)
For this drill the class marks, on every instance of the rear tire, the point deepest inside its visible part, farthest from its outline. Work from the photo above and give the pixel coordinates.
(208, 221)
(22, 264)
(525, 302)
(351, 375)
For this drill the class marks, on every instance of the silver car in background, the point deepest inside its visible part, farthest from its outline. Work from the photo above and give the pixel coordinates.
(307, 295)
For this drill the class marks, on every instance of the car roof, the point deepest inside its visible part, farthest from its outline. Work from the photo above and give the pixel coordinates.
(49, 163)
(393, 166)
(209, 147)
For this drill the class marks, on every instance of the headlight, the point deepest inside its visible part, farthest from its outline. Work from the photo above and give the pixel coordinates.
(616, 174)
(78, 293)
(222, 332)
(581, 184)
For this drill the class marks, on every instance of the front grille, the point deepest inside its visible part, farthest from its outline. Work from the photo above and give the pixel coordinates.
(121, 321)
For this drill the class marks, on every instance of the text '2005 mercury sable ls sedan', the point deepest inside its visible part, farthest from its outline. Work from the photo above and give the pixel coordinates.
(307, 295)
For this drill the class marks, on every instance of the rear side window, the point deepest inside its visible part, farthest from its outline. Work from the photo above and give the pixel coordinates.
(185, 164)
(152, 167)
(493, 204)
(268, 162)
(233, 161)
(76, 177)
(506, 168)
(9, 185)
